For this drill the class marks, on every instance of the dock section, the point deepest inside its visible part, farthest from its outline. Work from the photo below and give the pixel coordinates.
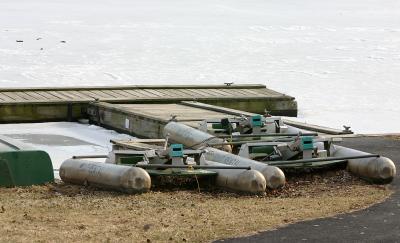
(70, 103)
(148, 120)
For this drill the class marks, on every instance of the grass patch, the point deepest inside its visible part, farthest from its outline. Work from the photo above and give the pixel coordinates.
(59, 212)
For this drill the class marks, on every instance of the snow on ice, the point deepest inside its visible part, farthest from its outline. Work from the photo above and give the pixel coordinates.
(340, 59)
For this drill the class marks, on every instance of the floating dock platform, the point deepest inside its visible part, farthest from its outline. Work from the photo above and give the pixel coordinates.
(71, 103)
(148, 120)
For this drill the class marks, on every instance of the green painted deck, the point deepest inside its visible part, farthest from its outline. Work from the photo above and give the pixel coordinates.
(70, 103)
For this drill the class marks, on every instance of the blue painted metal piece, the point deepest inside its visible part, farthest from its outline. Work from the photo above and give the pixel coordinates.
(176, 150)
(307, 143)
(256, 121)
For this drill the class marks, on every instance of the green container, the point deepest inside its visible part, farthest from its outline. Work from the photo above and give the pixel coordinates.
(23, 166)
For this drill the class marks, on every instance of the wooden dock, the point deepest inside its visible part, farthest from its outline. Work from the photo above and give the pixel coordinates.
(148, 120)
(71, 103)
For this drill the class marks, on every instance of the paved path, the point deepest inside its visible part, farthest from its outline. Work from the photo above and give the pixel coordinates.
(379, 223)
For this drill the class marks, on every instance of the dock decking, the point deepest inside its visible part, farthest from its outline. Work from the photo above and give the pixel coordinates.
(70, 103)
(148, 120)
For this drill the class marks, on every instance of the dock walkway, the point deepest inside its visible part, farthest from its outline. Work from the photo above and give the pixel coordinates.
(70, 103)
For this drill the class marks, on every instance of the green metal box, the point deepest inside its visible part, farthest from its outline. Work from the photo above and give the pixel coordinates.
(256, 121)
(307, 143)
(25, 168)
(176, 150)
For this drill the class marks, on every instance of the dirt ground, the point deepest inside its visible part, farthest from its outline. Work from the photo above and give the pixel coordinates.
(60, 212)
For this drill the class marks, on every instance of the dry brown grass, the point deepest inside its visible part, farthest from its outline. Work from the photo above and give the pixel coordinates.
(393, 137)
(61, 212)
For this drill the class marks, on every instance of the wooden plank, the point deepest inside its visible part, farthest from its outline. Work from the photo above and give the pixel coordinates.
(6, 98)
(146, 93)
(116, 94)
(70, 95)
(122, 93)
(239, 92)
(203, 92)
(95, 94)
(25, 96)
(11, 97)
(231, 93)
(216, 108)
(194, 93)
(106, 93)
(167, 93)
(42, 94)
(135, 94)
(316, 128)
(140, 146)
(51, 95)
(220, 92)
(187, 93)
(248, 92)
(90, 94)
(21, 95)
(14, 96)
(197, 93)
(41, 102)
(56, 95)
(155, 92)
(79, 94)
(174, 92)
(35, 96)
(271, 93)
(140, 143)
(79, 88)
(165, 111)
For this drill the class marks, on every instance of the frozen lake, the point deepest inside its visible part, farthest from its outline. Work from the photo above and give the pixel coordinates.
(340, 59)
(62, 140)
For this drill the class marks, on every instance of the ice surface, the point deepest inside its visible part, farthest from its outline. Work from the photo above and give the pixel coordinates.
(62, 140)
(340, 59)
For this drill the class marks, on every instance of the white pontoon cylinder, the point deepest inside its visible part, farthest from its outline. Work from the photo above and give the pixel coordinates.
(109, 176)
(191, 137)
(274, 176)
(250, 181)
(377, 169)
(194, 138)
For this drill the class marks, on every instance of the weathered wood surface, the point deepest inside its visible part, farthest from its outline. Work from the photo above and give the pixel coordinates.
(148, 120)
(179, 112)
(54, 104)
(139, 144)
(132, 93)
(316, 128)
